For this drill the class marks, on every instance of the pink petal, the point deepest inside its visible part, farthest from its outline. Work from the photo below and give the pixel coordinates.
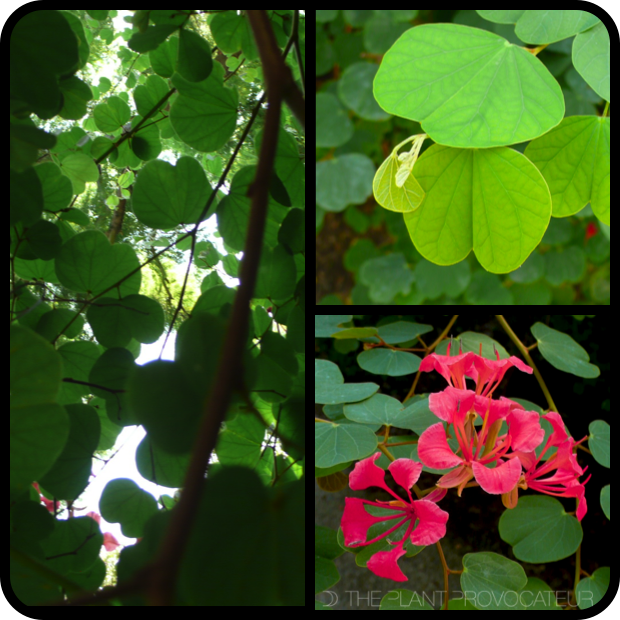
(499, 480)
(356, 521)
(384, 564)
(458, 477)
(525, 430)
(452, 401)
(405, 471)
(433, 448)
(109, 542)
(452, 369)
(436, 495)
(366, 474)
(432, 524)
(559, 433)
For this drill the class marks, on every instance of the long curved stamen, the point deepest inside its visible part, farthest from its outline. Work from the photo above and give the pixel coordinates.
(393, 529)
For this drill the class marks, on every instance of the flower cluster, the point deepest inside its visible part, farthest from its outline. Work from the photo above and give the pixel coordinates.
(499, 464)
(356, 521)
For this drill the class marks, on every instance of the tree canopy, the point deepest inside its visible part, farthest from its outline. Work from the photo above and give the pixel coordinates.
(158, 184)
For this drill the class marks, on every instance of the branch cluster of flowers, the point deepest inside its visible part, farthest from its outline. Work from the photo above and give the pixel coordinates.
(500, 464)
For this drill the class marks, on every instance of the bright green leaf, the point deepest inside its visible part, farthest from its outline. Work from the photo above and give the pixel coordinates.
(394, 186)
(591, 51)
(538, 27)
(494, 201)
(204, 114)
(574, 159)
(468, 87)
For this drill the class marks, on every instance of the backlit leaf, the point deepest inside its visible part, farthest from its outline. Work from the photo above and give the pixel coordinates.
(394, 187)
(468, 87)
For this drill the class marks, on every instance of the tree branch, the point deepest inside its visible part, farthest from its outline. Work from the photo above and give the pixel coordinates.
(163, 578)
(157, 581)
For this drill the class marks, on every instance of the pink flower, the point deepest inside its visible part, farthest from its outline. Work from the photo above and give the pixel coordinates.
(49, 504)
(356, 521)
(565, 481)
(478, 448)
(481, 370)
(109, 541)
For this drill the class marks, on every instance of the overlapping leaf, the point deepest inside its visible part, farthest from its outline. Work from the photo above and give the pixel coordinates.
(494, 201)
(574, 159)
(468, 87)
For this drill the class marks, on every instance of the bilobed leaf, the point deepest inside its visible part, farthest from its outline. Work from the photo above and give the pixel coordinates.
(591, 59)
(574, 159)
(468, 87)
(494, 201)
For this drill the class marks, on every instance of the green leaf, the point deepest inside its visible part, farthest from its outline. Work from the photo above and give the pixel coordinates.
(124, 502)
(165, 196)
(386, 276)
(343, 180)
(574, 159)
(325, 576)
(116, 321)
(592, 589)
(539, 530)
(606, 500)
(87, 263)
(339, 443)
(400, 332)
(561, 351)
(394, 187)
(335, 393)
(355, 91)
(591, 51)
(156, 389)
(327, 324)
(276, 520)
(389, 362)
(276, 274)
(493, 580)
(540, 27)
(75, 544)
(378, 410)
(195, 63)
(69, 475)
(204, 114)
(538, 595)
(599, 441)
(468, 87)
(494, 201)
